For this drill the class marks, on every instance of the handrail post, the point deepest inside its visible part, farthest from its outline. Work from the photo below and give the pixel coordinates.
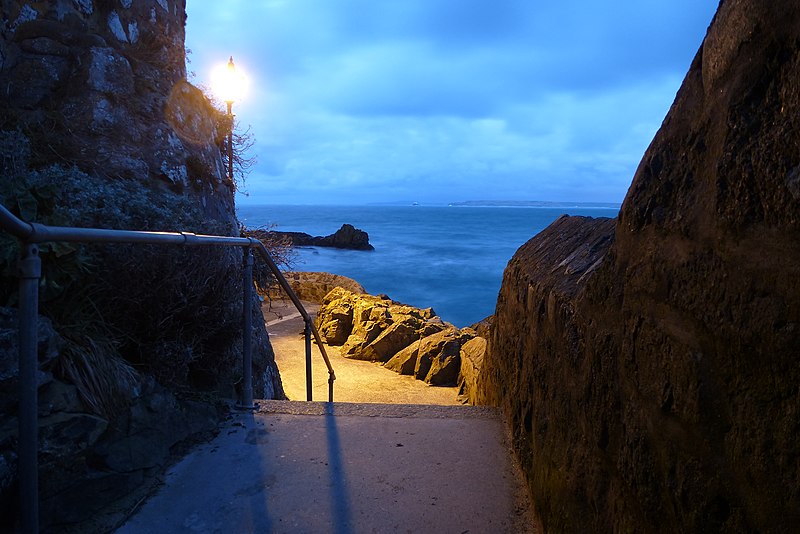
(309, 394)
(30, 271)
(247, 330)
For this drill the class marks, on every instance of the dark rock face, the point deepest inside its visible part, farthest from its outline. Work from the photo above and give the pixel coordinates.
(649, 368)
(103, 86)
(89, 460)
(99, 126)
(99, 89)
(347, 237)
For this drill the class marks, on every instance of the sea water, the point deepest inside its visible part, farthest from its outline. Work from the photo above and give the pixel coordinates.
(445, 257)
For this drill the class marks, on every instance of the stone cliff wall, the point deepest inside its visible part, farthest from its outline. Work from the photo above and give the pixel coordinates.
(98, 127)
(101, 85)
(653, 385)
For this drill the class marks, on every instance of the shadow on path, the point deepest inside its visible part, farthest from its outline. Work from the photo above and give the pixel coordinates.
(340, 502)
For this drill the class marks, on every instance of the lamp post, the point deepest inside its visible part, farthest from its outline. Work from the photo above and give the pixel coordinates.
(230, 85)
(229, 102)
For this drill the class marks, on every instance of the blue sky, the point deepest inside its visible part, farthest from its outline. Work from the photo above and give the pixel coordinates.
(434, 101)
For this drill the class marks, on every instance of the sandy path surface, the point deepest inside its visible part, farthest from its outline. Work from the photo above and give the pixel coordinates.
(356, 381)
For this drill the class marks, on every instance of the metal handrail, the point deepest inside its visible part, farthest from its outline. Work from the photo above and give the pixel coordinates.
(30, 234)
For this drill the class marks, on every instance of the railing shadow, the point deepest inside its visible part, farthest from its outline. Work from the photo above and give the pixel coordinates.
(340, 498)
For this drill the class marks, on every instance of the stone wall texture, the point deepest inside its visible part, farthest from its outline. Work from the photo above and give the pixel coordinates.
(101, 85)
(649, 365)
(95, 100)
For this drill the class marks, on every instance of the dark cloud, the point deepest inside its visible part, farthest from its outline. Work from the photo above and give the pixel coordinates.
(392, 95)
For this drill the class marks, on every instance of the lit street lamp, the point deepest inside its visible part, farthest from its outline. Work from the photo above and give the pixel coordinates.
(232, 77)
(229, 85)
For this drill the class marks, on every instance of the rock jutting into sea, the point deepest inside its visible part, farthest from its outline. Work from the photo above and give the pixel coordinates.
(348, 237)
(405, 339)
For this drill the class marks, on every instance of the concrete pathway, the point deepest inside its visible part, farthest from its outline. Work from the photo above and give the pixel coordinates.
(350, 467)
(299, 467)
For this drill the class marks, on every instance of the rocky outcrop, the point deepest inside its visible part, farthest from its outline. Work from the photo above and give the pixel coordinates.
(648, 367)
(92, 461)
(407, 340)
(313, 286)
(347, 237)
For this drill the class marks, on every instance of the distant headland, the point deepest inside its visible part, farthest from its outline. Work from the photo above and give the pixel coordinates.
(534, 204)
(503, 204)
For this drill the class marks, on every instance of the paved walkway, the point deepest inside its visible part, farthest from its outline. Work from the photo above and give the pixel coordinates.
(346, 468)
(299, 467)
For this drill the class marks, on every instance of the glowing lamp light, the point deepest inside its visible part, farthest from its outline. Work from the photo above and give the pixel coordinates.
(229, 84)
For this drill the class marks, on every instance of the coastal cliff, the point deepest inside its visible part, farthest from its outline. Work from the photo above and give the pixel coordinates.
(99, 128)
(648, 365)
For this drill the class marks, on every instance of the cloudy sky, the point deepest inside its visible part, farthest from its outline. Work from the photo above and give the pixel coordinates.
(360, 101)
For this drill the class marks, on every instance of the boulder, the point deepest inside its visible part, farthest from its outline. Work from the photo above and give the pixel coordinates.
(409, 340)
(472, 354)
(444, 370)
(438, 358)
(58, 396)
(338, 324)
(394, 338)
(65, 434)
(405, 361)
(370, 317)
(379, 327)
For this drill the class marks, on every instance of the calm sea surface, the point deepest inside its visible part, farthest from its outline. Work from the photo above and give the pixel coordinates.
(449, 258)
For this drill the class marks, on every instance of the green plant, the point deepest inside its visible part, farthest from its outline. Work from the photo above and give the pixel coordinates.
(104, 380)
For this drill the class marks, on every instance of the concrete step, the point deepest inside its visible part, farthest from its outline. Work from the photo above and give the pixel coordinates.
(345, 468)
